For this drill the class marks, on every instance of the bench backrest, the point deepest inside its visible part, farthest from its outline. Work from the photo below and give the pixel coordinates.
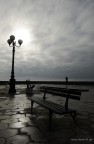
(63, 92)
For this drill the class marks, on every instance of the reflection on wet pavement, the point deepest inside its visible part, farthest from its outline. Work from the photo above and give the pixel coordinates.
(18, 126)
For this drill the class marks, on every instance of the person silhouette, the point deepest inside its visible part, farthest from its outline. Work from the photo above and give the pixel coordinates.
(66, 82)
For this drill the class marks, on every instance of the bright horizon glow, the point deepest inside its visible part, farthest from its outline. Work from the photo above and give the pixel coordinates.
(23, 34)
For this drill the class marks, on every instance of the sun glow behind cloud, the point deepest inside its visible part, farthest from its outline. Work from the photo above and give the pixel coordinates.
(24, 34)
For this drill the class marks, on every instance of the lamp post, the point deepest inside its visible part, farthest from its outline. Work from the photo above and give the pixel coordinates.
(12, 43)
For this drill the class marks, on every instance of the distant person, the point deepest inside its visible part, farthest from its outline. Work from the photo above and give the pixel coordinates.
(66, 82)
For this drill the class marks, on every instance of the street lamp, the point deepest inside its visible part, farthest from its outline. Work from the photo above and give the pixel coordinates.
(12, 43)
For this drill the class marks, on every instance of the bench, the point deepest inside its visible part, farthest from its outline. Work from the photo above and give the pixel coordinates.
(52, 107)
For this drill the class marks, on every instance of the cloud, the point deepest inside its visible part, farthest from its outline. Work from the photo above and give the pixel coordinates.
(62, 39)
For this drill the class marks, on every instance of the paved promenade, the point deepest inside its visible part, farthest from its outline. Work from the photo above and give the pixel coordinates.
(18, 126)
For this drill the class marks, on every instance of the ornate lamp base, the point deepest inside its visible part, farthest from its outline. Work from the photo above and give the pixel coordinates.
(12, 86)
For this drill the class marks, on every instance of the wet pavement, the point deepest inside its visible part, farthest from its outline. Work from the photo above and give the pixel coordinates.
(19, 126)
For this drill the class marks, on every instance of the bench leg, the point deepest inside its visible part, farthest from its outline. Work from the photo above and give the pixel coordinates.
(50, 118)
(74, 116)
(32, 107)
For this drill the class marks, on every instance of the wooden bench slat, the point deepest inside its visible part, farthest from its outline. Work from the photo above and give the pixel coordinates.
(75, 97)
(52, 105)
(59, 107)
(60, 88)
(46, 105)
(65, 91)
(57, 89)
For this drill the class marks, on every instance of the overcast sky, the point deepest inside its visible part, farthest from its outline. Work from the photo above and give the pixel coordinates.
(60, 41)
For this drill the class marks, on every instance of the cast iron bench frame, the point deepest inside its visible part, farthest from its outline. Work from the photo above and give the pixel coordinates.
(74, 94)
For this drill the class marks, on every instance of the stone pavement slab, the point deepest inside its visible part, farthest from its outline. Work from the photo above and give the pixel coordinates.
(6, 133)
(2, 141)
(18, 139)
